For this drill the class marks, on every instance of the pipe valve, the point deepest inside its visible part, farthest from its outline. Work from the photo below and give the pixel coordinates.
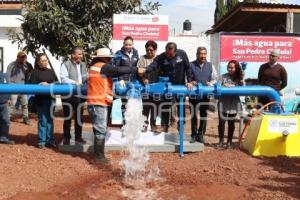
(285, 133)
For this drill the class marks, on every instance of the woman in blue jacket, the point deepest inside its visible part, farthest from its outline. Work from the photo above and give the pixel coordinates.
(127, 57)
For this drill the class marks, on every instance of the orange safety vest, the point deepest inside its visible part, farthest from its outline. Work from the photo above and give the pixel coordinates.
(99, 87)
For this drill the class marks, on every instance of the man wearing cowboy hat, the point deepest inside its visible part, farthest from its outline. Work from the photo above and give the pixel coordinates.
(100, 96)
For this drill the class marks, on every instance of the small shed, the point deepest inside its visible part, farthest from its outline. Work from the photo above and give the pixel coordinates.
(260, 17)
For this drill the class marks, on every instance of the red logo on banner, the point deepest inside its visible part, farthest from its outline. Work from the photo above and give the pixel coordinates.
(155, 19)
(141, 32)
(257, 48)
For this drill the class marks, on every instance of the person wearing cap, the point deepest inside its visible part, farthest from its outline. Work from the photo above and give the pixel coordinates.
(19, 72)
(100, 96)
(272, 74)
(73, 71)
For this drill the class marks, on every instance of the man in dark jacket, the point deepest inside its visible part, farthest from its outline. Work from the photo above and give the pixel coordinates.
(174, 64)
(4, 117)
(19, 72)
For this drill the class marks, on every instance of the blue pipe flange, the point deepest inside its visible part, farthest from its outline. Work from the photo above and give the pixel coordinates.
(163, 79)
(155, 88)
(217, 90)
(199, 91)
(169, 92)
(120, 90)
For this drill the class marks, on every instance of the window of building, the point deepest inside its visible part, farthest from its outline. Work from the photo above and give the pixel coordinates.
(296, 22)
(10, 11)
(1, 59)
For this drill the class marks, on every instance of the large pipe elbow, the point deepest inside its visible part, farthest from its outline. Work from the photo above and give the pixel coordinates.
(249, 91)
(272, 94)
(267, 91)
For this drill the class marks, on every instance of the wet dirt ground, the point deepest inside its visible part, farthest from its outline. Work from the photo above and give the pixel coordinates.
(31, 173)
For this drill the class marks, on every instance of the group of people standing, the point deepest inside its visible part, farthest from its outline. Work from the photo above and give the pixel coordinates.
(174, 64)
(128, 66)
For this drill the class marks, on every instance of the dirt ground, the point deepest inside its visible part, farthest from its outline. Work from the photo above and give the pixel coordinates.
(214, 174)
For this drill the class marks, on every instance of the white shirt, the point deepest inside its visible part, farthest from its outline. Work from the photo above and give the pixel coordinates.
(64, 75)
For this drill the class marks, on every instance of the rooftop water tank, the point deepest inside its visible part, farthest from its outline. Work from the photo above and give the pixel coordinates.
(187, 27)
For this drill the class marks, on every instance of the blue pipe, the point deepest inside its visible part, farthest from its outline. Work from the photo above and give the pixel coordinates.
(181, 125)
(64, 89)
(217, 91)
(135, 89)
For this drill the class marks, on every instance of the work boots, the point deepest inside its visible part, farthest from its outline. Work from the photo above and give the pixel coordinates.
(26, 121)
(229, 145)
(193, 139)
(162, 129)
(99, 145)
(221, 143)
(200, 138)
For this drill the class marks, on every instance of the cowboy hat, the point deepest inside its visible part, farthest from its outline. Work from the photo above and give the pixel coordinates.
(103, 53)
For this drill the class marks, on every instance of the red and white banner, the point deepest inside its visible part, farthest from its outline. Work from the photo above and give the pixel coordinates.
(140, 31)
(141, 27)
(256, 48)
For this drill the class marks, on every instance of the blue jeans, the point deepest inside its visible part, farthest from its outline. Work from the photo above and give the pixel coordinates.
(98, 116)
(4, 123)
(45, 123)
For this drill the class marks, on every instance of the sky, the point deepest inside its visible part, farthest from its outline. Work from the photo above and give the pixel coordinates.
(199, 12)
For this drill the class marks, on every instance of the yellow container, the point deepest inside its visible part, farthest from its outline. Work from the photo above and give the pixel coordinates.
(273, 135)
